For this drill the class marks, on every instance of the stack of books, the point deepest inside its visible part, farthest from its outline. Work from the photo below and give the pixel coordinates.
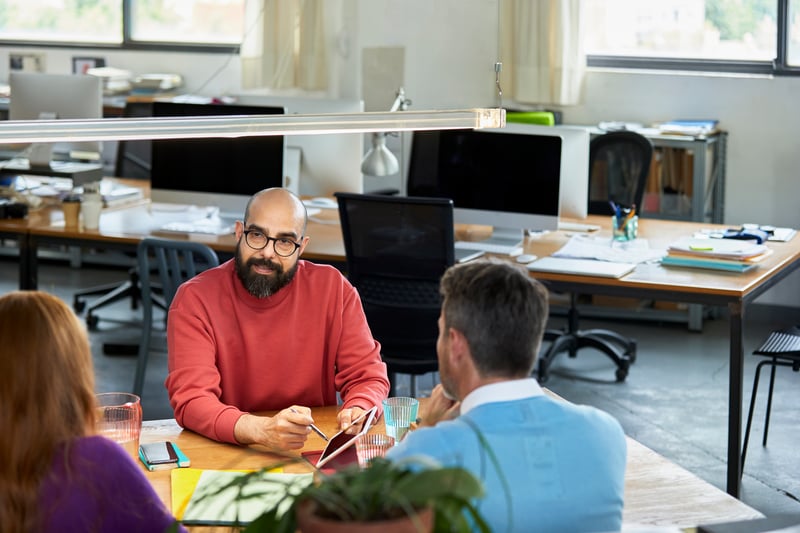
(693, 128)
(716, 254)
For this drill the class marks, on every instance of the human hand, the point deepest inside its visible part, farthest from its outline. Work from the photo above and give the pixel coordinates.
(345, 419)
(286, 430)
(438, 407)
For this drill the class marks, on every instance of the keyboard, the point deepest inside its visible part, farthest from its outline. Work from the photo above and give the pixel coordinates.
(577, 226)
(489, 248)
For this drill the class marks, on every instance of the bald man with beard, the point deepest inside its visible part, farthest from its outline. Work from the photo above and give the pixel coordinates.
(269, 331)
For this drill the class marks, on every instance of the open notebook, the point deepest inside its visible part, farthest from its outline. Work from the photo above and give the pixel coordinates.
(582, 267)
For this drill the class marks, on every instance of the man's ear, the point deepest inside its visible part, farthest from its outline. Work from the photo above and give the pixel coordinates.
(458, 345)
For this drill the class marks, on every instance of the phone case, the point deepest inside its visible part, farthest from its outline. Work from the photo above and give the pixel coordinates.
(153, 458)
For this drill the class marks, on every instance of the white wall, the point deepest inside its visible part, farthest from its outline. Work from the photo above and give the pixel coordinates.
(450, 47)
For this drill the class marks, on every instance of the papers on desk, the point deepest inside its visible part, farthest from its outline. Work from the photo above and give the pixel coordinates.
(716, 254)
(212, 497)
(202, 226)
(605, 249)
(581, 267)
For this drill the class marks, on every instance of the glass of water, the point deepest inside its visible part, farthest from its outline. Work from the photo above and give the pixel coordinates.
(399, 412)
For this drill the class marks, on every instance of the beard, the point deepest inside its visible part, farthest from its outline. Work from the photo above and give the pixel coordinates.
(260, 285)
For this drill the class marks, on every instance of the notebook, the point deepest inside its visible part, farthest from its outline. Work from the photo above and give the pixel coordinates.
(581, 267)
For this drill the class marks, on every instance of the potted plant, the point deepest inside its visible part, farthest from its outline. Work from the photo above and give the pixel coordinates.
(420, 495)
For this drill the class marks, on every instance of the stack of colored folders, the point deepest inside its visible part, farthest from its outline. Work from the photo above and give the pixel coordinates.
(716, 254)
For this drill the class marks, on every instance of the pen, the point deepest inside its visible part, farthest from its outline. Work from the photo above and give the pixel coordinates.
(314, 428)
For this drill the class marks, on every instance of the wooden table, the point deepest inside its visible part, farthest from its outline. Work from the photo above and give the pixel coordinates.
(657, 491)
(125, 227)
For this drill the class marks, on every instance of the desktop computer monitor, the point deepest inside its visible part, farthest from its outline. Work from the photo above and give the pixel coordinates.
(322, 164)
(215, 172)
(35, 96)
(513, 179)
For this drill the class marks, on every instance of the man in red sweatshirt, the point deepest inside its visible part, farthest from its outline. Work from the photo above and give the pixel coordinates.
(268, 331)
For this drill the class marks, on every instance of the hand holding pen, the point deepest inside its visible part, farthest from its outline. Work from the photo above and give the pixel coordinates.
(314, 428)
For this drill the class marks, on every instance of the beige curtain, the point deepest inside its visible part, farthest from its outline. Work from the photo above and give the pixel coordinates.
(284, 45)
(542, 51)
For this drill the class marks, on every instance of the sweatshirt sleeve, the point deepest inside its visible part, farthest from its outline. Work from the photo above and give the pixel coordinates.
(361, 373)
(194, 382)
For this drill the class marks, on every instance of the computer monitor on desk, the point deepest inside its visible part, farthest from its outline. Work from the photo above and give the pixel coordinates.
(218, 172)
(515, 179)
(323, 164)
(36, 96)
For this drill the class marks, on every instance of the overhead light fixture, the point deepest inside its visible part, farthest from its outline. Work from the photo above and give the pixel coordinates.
(29, 131)
(380, 161)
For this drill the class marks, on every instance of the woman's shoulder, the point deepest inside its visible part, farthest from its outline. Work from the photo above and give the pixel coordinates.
(97, 446)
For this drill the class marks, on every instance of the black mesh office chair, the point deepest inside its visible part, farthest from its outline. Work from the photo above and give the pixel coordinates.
(397, 250)
(172, 263)
(783, 349)
(619, 163)
(132, 161)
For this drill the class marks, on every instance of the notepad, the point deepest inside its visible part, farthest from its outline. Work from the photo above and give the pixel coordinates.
(215, 501)
(581, 267)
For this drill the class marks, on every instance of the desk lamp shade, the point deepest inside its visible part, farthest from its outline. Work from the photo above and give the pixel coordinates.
(379, 161)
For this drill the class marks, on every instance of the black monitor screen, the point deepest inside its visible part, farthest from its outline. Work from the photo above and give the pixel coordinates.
(491, 171)
(237, 166)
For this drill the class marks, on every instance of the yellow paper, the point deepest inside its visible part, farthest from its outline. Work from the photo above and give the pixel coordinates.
(184, 481)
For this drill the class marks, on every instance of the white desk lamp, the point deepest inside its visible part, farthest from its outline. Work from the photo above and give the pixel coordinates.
(380, 161)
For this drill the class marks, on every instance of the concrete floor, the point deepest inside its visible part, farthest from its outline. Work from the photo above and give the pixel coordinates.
(673, 401)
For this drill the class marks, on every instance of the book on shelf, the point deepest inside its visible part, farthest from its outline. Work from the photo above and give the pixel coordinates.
(694, 128)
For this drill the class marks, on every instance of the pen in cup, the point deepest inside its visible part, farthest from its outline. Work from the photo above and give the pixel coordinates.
(314, 428)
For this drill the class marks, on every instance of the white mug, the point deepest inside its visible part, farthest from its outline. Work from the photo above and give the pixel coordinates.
(90, 209)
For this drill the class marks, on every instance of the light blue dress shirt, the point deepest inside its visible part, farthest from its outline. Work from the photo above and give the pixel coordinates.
(562, 465)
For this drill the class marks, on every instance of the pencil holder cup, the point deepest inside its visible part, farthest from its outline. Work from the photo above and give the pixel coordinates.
(625, 228)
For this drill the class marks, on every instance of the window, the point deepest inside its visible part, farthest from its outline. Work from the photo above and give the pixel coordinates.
(124, 23)
(714, 35)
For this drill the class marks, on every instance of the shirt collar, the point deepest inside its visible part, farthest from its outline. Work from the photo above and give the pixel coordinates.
(504, 391)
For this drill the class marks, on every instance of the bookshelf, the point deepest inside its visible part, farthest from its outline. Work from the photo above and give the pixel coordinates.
(687, 176)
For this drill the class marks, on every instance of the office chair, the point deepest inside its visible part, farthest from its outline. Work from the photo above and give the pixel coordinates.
(172, 263)
(132, 161)
(134, 157)
(619, 164)
(783, 349)
(397, 249)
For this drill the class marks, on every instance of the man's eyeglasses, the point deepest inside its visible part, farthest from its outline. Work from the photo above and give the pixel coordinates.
(258, 241)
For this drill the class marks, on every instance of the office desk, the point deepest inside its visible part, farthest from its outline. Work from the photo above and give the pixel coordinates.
(708, 287)
(657, 491)
(125, 227)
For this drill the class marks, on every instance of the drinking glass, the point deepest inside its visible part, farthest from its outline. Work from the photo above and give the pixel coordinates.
(372, 445)
(399, 412)
(119, 418)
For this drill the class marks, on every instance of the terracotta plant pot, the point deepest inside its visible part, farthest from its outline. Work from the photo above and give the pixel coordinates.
(309, 522)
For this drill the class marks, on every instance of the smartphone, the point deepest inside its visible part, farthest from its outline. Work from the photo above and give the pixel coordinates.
(158, 453)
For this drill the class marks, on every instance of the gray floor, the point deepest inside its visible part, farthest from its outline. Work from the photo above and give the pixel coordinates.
(674, 400)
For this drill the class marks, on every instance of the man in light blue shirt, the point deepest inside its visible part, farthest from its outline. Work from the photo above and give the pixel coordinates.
(547, 465)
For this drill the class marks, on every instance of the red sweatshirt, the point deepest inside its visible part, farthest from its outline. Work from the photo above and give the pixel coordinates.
(232, 353)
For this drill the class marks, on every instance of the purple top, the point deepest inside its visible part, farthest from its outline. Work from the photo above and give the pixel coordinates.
(101, 489)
